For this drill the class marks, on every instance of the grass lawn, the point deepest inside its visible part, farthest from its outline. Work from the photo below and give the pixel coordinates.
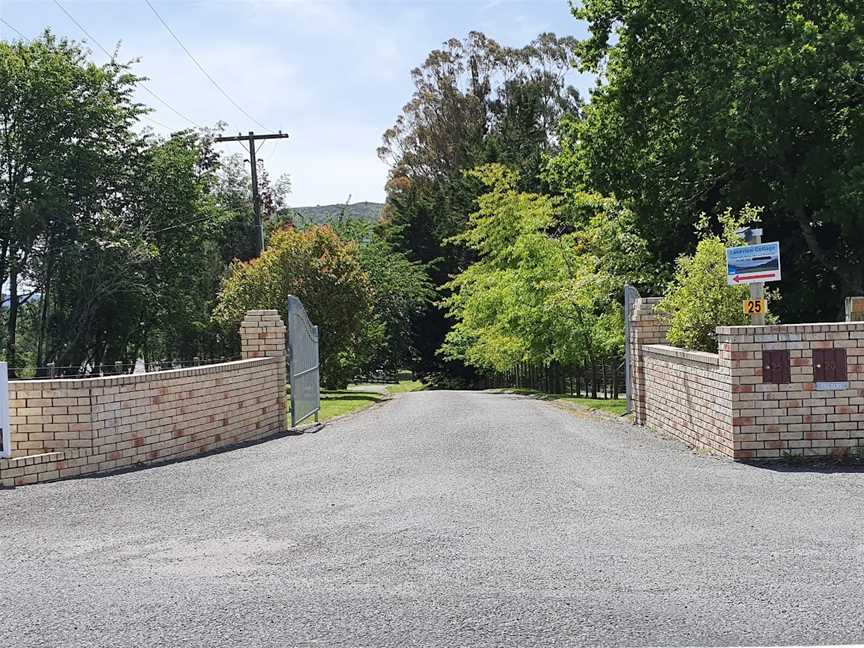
(338, 402)
(406, 386)
(616, 407)
(342, 401)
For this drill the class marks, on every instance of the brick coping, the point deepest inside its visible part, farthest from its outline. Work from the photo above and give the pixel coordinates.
(790, 328)
(129, 379)
(683, 354)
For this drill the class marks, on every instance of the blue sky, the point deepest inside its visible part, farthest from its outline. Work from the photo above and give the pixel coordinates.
(334, 74)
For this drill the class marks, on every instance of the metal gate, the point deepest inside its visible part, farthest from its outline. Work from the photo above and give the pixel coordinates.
(303, 370)
(630, 297)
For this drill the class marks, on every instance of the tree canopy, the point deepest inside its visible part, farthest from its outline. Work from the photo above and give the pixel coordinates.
(113, 242)
(706, 105)
(547, 278)
(325, 273)
(475, 102)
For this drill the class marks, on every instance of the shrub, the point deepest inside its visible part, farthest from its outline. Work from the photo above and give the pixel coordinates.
(698, 299)
(325, 273)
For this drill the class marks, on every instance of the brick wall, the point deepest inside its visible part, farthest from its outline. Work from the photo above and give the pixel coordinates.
(724, 403)
(263, 335)
(798, 417)
(63, 428)
(646, 328)
(689, 396)
(49, 415)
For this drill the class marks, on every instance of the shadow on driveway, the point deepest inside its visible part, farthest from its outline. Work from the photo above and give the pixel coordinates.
(817, 465)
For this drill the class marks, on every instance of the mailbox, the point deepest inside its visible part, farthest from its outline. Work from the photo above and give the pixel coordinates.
(829, 369)
(776, 367)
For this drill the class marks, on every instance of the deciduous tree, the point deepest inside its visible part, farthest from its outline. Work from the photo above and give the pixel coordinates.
(709, 104)
(326, 274)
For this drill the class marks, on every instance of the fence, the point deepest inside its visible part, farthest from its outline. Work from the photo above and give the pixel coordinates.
(604, 379)
(59, 372)
(304, 371)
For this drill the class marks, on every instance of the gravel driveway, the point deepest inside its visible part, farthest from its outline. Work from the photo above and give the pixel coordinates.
(438, 519)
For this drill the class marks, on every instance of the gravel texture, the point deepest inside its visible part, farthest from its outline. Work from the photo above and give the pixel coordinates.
(439, 519)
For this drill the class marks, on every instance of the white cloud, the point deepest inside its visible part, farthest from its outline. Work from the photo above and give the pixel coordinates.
(330, 177)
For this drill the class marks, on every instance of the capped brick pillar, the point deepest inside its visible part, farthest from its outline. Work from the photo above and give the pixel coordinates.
(646, 328)
(262, 335)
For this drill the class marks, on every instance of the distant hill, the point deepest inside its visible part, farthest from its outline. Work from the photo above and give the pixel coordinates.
(326, 213)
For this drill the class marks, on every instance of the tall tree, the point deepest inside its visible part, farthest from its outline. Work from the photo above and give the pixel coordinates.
(709, 104)
(325, 273)
(66, 152)
(546, 285)
(475, 101)
(401, 290)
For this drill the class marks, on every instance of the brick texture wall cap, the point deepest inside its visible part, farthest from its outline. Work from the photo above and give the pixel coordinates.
(682, 354)
(773, 329)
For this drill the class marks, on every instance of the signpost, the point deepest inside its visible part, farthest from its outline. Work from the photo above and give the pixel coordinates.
(753, 264)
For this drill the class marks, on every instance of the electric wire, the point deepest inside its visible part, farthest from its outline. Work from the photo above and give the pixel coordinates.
(156, 123)
(201, 67)
(108, 54)
(13, 29)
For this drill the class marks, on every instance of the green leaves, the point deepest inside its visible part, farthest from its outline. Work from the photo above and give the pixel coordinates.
(707, 105)
(699, 300)
(401, 291)
(548, 278)
(476, 101)
(326, 274)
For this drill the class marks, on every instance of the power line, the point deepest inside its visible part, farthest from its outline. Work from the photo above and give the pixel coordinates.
(156, 123)
(13, 29)
(201, 67)
(110, 55)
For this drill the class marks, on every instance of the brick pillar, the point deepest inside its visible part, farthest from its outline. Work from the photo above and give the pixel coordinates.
(647, 328)
(262, 335)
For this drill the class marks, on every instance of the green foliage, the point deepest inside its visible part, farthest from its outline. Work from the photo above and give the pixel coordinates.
(699, 299)
(326, 274)
(401, 291)
(68, 163)
(548, 278)
(764, 107)
(476, 101)
(112, 243)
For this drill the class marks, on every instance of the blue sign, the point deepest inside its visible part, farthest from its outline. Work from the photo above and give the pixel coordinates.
(753, 263)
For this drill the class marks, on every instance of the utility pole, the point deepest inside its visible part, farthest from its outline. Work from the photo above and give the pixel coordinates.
(251, 138)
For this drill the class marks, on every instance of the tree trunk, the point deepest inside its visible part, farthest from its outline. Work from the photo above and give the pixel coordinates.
(41, 343)
(12, 323)
(605, 382)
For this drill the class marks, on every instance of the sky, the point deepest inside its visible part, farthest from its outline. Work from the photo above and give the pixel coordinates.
(333, 74)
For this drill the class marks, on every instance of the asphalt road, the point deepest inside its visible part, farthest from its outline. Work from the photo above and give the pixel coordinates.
(438, 519)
